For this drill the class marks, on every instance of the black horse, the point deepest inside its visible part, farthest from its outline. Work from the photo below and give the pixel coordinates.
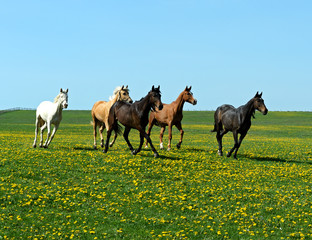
(237, 120)
(134, 116)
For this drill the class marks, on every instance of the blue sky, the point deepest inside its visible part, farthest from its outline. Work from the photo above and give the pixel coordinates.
(226, 50)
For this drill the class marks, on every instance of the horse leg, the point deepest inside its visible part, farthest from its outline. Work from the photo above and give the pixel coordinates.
(150, 143)
(94, 132)
(140, 146)
(179, 127)
(101, 129)
(41, 134)
(169, 136)
(219, 136)
(53, 133)
(112, 142)
(239, 143)
(161, 135)
(125, 135)
(36, 132)
(45, 145)
(149, 129)
(235, 135)
(108, 134)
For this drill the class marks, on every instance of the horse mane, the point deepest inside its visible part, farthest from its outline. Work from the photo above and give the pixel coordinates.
(117, 89)
(57, 98)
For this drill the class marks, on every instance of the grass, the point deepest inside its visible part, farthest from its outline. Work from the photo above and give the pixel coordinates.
(70, 191)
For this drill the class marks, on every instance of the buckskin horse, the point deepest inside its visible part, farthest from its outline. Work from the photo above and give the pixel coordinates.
(134, 116)
(237, 120)
(100, 111)
(171, 115)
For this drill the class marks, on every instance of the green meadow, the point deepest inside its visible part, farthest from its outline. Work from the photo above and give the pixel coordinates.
(70, 191)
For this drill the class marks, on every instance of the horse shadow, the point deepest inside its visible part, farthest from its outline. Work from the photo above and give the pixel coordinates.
(84, 148)
(275, 159)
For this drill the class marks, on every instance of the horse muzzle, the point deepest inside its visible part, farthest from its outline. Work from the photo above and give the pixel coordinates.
(194, 102)
(265, 112)
(65, 105)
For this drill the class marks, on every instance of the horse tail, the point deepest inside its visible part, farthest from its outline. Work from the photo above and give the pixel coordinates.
(217, 121)
(113, 122)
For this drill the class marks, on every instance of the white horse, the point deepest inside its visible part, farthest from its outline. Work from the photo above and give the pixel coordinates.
(50, 113)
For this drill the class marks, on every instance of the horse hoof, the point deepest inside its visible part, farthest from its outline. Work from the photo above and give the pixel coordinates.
(228, 155)
(220, 153)
(94, 147)
(178, 146)
(45, 146)
(134, 152)
(102, 145)
(146, 146)
(104, 151)
(168, 149)
(161, 146)
(34, 146)
(110, 145)
(156, 155)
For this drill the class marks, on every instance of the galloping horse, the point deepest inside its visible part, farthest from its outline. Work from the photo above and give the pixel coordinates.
(134, 116)
(237, 120)
(100, 111)
(50, 113)
(171, 115)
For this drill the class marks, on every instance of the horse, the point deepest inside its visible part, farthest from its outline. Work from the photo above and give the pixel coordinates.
(134, 116)
(171, 115)
(100, 111)
(48, 113)
(237, 120)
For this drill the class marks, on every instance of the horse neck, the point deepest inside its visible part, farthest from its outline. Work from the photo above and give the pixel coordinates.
(114, 99)
(59, 108)
(145, 105)
(248, 110)
(179, 103)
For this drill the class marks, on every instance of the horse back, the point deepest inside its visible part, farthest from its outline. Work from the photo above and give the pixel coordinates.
(48, 111)
(100, 110)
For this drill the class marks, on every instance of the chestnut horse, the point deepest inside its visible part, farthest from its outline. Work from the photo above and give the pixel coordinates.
(237, 120)
(171, 115)
(134, 116)
(100, 111)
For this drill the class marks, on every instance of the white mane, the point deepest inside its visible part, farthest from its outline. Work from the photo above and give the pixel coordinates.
(117, 89)
(57, 97)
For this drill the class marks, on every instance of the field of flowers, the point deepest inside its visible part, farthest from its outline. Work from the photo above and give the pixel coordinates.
(70, 191)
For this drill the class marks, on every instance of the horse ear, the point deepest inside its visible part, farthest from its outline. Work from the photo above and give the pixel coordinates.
(260, 94)
(190, 88)
(67, 90)
(61, 90)
(158, 87)
(153, 88)
(126, 87)
(122, 87)
(257, 94)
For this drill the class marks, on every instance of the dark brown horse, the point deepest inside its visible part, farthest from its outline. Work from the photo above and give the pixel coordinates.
(171, 115)
(134, 116)
(237, 120)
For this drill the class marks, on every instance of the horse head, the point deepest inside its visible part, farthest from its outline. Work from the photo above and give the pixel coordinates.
(188, 96)
(259, 104)
(155, 98)
(62, 98)
(123, 94)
